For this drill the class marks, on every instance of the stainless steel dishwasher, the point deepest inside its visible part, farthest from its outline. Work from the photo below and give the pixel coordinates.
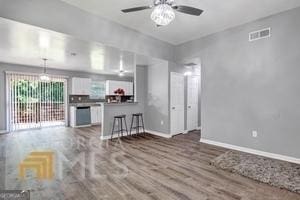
(83, 116)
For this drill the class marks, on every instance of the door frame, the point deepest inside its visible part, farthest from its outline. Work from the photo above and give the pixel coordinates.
(7, 97)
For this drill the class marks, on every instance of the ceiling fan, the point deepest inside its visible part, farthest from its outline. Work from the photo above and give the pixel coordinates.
(163, 12)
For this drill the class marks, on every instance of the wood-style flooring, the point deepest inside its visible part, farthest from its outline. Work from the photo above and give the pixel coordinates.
(142, 168)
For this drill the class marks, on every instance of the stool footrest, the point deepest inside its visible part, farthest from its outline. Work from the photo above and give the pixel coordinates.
(119, 130)
(136, 127)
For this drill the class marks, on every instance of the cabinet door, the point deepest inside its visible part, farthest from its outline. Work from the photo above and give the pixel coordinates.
(81, 86)
(87, 86)
(99, 115)
(94, 114)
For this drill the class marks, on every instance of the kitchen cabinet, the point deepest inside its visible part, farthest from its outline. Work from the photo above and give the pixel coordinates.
(111, 86)
(81, 86)
(96, 115)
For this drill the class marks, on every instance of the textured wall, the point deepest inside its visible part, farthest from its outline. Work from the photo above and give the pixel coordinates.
(157, 104)
(250, 86)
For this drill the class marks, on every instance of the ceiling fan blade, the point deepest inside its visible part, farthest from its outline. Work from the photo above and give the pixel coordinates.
(188, 10)
(136, 9)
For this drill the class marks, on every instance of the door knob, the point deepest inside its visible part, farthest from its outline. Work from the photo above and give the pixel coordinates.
(173, 108)
(189, 106)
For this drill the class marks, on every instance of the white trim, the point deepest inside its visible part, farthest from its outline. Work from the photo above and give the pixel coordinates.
(164, 135)
(7, 108)
(198, 128)
(83, 126)
(252, 151)
(185, 131)
(3, 132)
(36, 74)
(160, 134)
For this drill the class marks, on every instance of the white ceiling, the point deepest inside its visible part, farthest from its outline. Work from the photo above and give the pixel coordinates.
(27, 45)
(218, 15)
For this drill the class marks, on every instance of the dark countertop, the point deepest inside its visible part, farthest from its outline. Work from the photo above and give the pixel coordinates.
(101, 103)
(120, 104)
(85, 104)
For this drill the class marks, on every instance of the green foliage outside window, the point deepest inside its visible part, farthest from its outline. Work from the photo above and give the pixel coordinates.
(26, 91)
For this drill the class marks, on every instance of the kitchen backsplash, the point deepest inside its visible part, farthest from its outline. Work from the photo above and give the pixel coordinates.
(83, 99)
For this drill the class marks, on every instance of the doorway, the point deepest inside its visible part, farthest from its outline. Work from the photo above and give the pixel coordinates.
(33, 103)
(177, 103)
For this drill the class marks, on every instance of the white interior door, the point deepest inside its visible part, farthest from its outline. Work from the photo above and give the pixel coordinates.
(177, 103)
(192, 102)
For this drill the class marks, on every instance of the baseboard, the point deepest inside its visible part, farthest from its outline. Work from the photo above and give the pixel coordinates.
(108, 137)
(3, 132)
(164, 135)
(185, 131)
(252, 151)
(199, 128)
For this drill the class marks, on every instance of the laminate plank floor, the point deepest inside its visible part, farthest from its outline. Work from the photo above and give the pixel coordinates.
(142, 168)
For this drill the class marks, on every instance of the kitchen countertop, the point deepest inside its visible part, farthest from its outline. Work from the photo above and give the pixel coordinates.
(101, 103)
(85, 104)
(119, 104)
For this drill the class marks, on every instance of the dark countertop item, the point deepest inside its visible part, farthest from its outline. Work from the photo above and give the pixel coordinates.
(120, 104)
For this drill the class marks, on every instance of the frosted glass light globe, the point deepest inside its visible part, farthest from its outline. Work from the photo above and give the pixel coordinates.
(163, 14)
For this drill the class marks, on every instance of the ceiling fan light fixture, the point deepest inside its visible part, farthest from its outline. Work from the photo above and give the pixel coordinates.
(163, 14)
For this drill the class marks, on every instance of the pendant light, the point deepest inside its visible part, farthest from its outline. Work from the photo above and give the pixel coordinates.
(44, 76)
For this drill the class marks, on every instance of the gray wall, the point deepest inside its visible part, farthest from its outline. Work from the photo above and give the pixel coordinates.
(157, 104)
(20, 68)
(250, 86)
(58, 16)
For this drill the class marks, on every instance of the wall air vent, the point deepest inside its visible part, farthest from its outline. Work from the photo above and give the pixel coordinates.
(260, 34)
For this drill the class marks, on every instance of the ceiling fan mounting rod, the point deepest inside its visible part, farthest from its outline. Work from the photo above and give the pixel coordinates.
(158, 2)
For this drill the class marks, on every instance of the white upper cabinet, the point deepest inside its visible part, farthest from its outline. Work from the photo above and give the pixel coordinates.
(112, 86)
(81, 86)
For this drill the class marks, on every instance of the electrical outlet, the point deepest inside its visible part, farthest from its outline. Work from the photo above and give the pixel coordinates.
(254, 134)
(162, 122)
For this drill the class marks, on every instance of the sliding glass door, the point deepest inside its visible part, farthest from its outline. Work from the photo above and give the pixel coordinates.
(33, 103)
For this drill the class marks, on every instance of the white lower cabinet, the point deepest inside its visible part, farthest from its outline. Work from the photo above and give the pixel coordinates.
(96, 114)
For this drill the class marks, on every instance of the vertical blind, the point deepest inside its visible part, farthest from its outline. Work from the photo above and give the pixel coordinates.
(34, 103)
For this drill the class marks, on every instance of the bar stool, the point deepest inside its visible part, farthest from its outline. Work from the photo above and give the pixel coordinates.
(119, 119)
(137, 117)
